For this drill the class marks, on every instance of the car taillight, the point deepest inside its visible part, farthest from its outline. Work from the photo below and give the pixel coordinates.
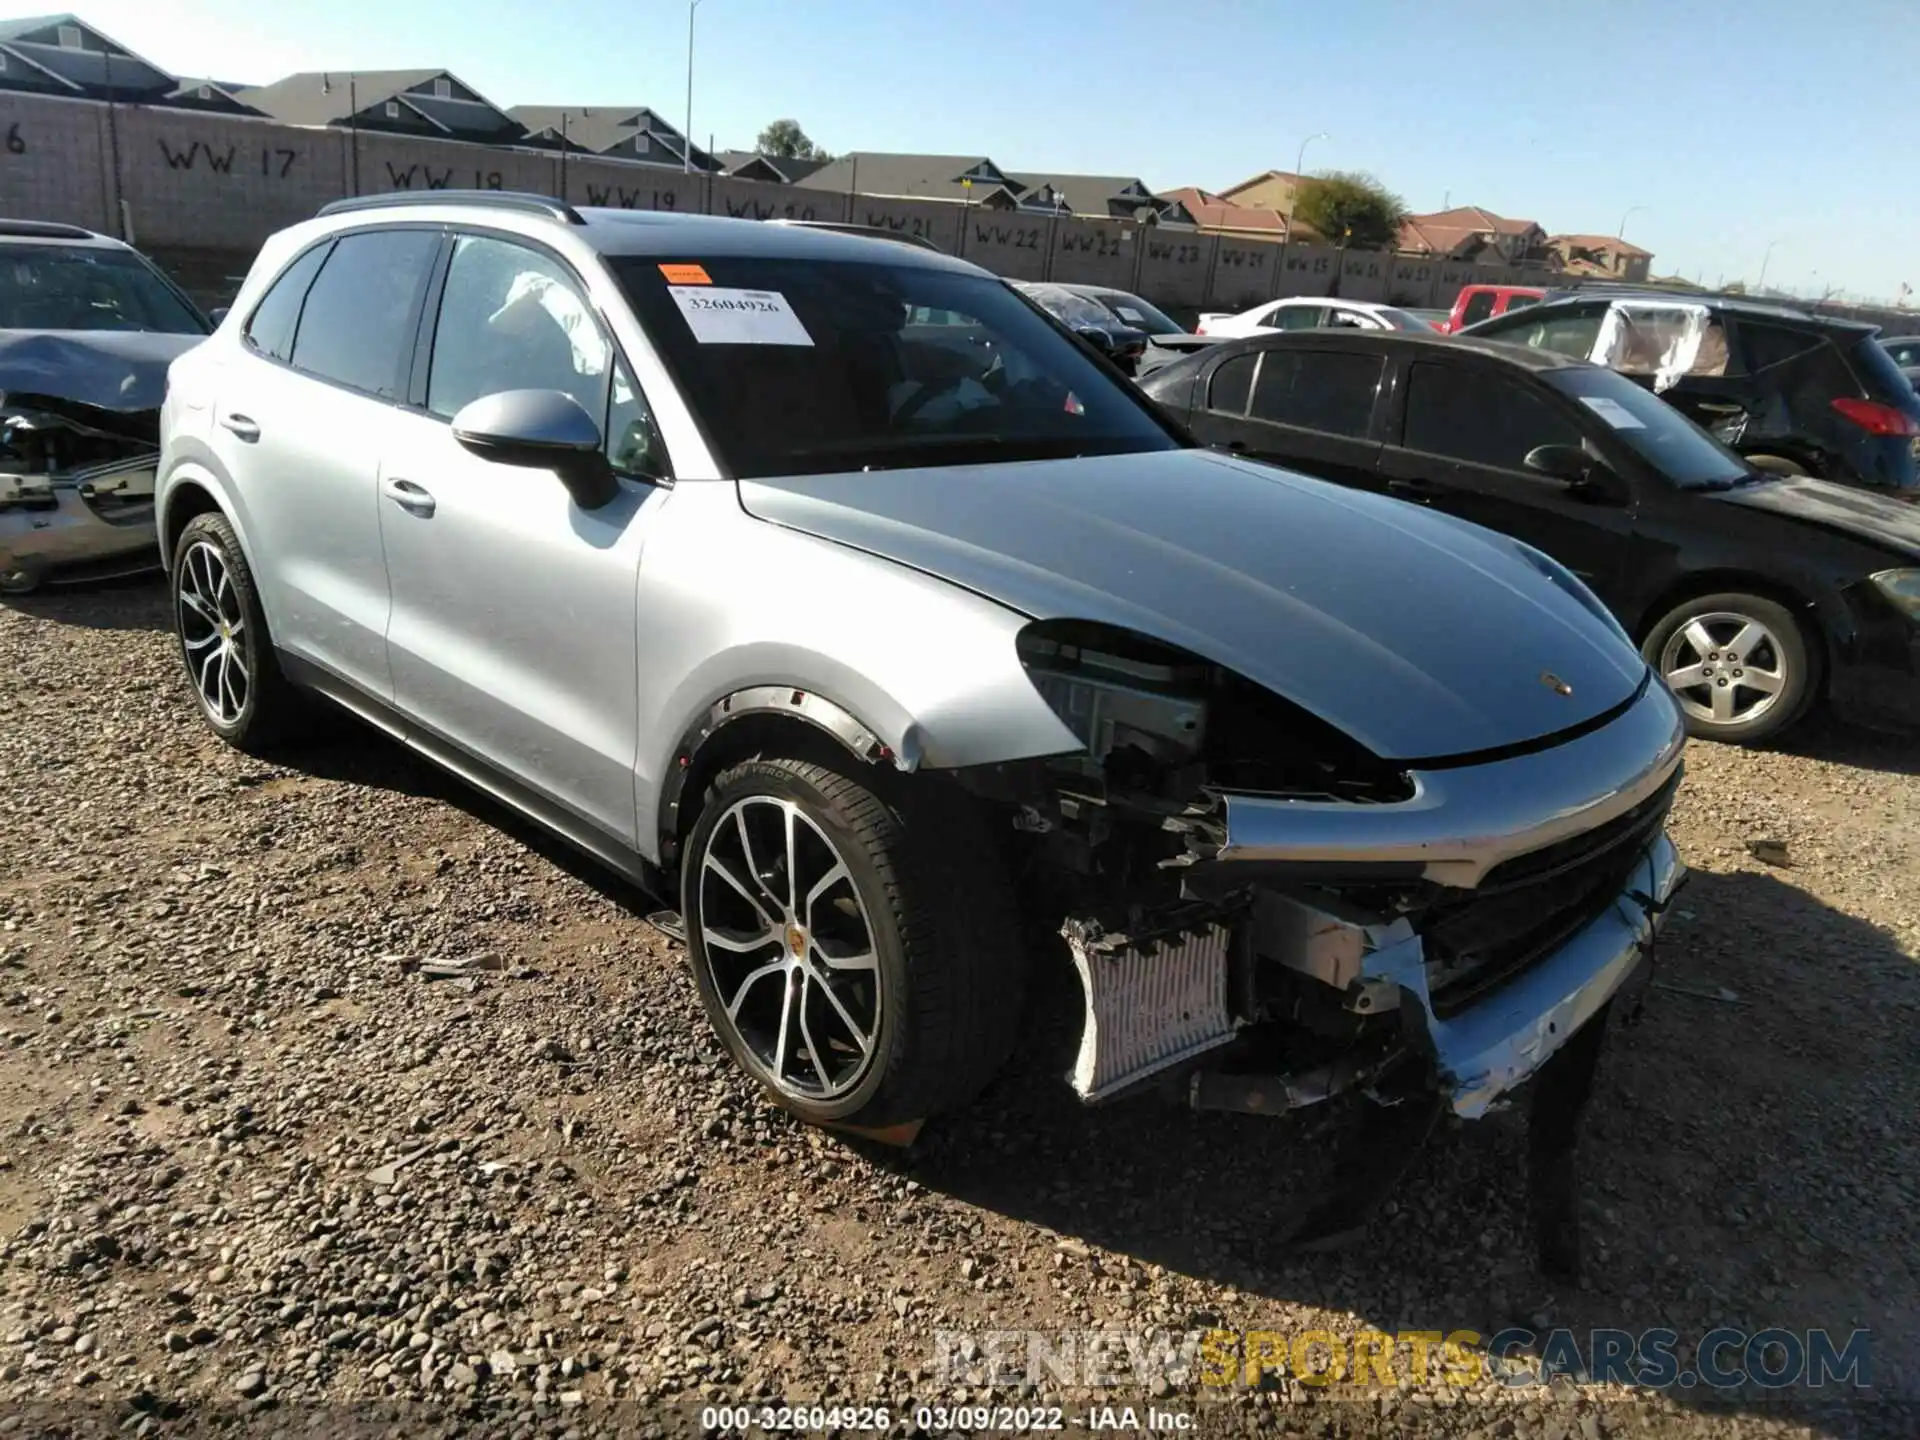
(1875, 418)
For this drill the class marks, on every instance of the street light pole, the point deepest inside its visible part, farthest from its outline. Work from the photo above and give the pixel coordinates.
(1631, 211)
(1299, 160)
(686, 140)
(1761, 284)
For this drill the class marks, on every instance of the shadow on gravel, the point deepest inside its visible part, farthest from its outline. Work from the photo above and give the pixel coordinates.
(1748, 1162)
(138, 602)
(1824, 738)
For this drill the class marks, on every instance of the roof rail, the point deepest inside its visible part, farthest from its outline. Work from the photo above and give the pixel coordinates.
(46, 229)
(519, 200)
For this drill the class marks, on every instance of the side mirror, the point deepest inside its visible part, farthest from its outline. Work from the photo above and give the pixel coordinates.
(542, 430)
(1096, 337)
(1583, 474)
(218, 315)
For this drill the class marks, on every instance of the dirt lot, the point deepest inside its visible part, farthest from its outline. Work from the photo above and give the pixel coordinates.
(210, 1044)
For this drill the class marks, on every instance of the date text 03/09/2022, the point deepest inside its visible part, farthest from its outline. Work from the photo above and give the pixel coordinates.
(941, 1419)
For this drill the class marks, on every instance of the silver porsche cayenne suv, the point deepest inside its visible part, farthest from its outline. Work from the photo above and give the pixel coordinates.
(827, 589)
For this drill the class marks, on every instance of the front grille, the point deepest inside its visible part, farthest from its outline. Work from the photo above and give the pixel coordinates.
(1529, 906)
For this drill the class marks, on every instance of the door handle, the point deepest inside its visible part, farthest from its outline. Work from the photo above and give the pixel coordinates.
(1420, 492)
(242, 426)
(408, 496)
(1720, 407)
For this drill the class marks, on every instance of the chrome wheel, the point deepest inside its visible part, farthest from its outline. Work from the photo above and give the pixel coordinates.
(789, 949)
(213, 632)
(1724, 668)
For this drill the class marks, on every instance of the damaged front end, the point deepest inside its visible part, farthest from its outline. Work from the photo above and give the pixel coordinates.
(79, 450)
(1264, 915)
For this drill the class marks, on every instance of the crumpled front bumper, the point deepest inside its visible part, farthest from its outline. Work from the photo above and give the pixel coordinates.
(94, 523)
(1495, 1045)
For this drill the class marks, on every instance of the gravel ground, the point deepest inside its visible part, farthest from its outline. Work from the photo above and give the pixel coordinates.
(253, 1158)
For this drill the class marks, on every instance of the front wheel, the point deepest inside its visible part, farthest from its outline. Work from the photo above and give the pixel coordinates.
(853, 942)
(1740, 666)
(224, 645)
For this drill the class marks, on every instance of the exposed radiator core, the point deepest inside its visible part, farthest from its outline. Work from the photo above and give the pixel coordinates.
(1149, 1005)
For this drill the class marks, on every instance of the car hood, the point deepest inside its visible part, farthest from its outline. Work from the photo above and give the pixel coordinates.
(117, 370)
(1863, 514)
(1418, 635)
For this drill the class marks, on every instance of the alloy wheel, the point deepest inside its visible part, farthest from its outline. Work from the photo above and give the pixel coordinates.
(1724, 668)
(213, 632)
(789, 948)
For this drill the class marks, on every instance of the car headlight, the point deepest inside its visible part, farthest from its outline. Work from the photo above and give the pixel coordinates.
(1902, 587)
(1573, 585)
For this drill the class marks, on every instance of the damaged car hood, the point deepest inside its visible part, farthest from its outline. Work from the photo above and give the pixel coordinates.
(1418, 635)
(123, 372)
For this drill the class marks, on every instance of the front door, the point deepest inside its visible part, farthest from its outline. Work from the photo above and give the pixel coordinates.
(513, 635)
(1465, 431)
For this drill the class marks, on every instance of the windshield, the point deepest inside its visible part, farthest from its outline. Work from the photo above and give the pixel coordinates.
(800, 367)
(1661, 435)
(1401, 319)
(71, 287)
(1136, 312)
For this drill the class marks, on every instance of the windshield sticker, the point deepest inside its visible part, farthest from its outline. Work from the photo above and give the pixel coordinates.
(1613, 412)
(1130, 315)
(721, 316)
(686, 274)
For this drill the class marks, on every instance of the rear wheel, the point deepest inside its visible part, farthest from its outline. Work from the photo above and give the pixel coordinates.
(853, 943)
(224, 644)
(1740, 666)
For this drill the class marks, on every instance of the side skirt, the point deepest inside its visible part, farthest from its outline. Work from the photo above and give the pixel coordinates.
(608, 849)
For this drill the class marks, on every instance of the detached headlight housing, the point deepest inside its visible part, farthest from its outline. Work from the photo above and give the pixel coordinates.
(1902, 587)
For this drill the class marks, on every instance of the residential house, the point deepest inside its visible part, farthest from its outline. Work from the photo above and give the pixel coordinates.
(956, 179)
(1211, 211)
(776, 169)
(1468, 232)
(63, 55)
(1601, 257)
(1108, 197)
(221, 97)
(430, 103)
(1269, 190)
(619, 132)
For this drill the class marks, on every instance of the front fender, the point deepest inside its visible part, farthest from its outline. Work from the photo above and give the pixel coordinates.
(728, 603)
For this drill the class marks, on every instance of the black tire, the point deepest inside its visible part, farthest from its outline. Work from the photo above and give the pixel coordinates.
(272, 711)
(1714, 707)
(932, 897)
(1777, 465)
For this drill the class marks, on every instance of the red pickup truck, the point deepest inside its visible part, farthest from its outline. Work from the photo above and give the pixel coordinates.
(1475, 303)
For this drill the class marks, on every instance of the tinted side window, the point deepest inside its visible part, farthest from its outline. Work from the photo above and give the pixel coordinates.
(1572, 334)
(1478, 308)
(1480, 417)
(270, 331)
(513, 319)
(357, 327)
(1318, 390)
(1296, 317)
(1227, 393)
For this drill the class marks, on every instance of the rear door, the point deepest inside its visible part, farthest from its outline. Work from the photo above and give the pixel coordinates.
(1463, 433)
(300, 424)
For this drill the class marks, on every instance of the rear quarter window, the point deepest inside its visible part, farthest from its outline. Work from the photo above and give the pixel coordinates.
(1228, 390)
(271, 328)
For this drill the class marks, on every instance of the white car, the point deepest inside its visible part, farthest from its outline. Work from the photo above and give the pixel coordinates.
(1311, 312)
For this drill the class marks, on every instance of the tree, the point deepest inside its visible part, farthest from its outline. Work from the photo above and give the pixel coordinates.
(787, 141)
(1349, 208)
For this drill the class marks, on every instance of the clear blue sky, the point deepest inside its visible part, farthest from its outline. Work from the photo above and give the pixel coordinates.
(1733, 122)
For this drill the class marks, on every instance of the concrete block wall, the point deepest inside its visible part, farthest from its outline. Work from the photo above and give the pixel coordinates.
(205, 190)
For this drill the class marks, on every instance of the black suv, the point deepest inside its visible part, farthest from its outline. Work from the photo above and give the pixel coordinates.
(1754, 595)
(1794, 393)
